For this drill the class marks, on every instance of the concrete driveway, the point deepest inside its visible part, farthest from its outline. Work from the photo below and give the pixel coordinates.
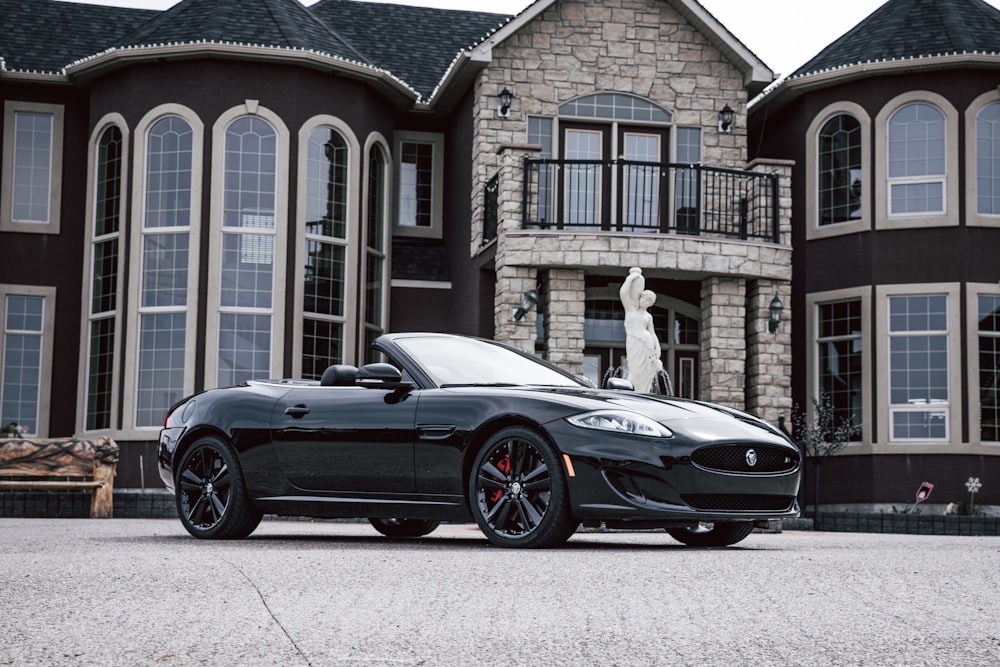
(142, 592)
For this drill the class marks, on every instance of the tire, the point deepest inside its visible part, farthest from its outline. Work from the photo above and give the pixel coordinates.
(212, 500)
(712, 534)
(404, 527)
(518, 492)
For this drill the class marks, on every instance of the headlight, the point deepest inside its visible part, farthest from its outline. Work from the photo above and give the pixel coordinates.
(620, 421)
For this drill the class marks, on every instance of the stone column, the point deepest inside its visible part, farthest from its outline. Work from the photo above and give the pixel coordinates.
(512, 283)
(563, 297)
(723, 341)
(769, 355)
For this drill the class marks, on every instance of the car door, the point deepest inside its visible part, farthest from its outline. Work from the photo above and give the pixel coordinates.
(346, 439)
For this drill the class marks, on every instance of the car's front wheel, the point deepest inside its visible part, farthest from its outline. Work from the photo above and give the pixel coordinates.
(212, 499)
(712, 534)
(518, 491)
(404, 527)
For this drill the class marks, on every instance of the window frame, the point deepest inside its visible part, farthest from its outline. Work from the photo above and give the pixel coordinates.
(215, 241)
(436, 141)
(973, 218)
(813, 303)
(48, 295)
(953, 345)
(130, 371)
(90, 241)
(813, 229)
(973, 292)
(365, 328)
(8, 223)
(349, 242)
(884, 218)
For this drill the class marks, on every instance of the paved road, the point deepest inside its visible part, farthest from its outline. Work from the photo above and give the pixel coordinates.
(141, 592)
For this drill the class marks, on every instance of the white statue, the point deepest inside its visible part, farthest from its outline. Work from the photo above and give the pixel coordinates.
(642, 347)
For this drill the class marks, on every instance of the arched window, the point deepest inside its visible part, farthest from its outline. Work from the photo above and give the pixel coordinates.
(375, 224)
(164, 299)
(840, 170)
(246, 292)
(988, 160)
(104, 282)
(916, 160)
(325, 252)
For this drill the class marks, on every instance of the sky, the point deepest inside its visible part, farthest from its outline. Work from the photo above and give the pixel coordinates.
(782, 33)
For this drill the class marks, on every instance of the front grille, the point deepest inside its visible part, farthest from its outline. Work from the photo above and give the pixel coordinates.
(738, 502)
(737, 458)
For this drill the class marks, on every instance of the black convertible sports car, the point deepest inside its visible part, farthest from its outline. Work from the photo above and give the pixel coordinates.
(454, 428)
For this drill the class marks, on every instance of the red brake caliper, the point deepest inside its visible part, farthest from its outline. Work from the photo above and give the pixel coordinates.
(503, 465)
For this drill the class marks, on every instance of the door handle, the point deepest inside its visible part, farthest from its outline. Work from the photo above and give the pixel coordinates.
(297, 411)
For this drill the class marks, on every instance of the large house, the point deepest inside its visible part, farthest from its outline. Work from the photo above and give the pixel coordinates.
(894, 130)
(232, 189)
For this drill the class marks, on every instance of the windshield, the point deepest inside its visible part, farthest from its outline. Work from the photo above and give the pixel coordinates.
(467, 361)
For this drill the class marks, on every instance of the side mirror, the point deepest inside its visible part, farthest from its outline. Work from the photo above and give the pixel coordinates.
(379, 372)
(619, 384)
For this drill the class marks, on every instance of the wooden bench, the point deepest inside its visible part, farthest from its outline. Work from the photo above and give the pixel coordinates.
(92, 460)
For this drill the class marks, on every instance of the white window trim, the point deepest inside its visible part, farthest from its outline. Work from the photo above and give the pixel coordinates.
(973, 291)
(88, 278)
(130, 372)
(864, 223)
(972, 217)
(813, 302)
(252, 108)
(7, 223)
(949, 218)
(954, 409)
(436, 140)
(48, 342)
(376, 139)
(351, 278)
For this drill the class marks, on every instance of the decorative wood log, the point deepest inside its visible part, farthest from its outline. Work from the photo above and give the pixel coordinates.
(63, 457)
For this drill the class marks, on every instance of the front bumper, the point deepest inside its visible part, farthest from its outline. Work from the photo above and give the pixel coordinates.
(635, 480)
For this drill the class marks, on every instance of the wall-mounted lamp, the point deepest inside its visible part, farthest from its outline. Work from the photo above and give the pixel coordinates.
(726, 119)
(506, 98)
(527, 303)
(775, 309)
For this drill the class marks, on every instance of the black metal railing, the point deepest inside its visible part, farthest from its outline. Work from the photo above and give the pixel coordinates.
(490, 213)
(634, 196)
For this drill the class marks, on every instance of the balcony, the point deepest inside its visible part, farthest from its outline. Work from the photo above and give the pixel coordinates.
(644, 197)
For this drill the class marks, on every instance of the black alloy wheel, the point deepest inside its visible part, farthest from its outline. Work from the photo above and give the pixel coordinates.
(212, 500)
(712, 534)
(518, 491)
(404, 527)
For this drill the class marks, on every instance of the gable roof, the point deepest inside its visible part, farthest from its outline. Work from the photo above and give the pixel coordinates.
(903, 29)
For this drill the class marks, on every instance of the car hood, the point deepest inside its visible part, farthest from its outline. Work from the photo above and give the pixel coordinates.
(695, 419)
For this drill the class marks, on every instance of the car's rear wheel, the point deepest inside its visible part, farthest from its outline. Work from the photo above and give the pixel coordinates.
(518, 491)
(404, 527)
(712, 534)
(212, 499)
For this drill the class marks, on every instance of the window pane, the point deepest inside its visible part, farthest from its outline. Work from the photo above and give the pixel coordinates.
(919, 425)
(376, 199)
(322, 345)
(988, 160)
(373, 291)
(540, 134)
(244, 348)
(168, 173)
(416, 182)
(583, 181)
(31, 180)
(105, 280)
(642, 182)
(916, 141)
(326, 185)
(324, 278)
(989, 368)
(840, 170)
(109, 182)
(840, 361)
(247, 271)
(22, 362)
(918, 197)
(164, 271)
(918, 366)
(100, 373)
(161, 366)
(613, 106)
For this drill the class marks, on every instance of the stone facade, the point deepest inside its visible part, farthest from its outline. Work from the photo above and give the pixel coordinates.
(646, 49)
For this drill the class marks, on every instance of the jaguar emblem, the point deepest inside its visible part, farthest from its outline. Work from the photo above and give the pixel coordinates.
(751, 457)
